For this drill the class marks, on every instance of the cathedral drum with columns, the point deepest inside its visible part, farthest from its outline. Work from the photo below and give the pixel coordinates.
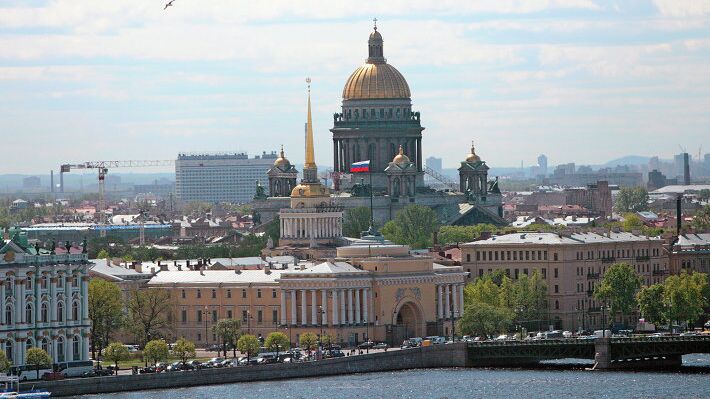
(44, 298)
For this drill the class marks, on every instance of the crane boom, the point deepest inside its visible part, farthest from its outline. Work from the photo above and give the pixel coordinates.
(103, 167)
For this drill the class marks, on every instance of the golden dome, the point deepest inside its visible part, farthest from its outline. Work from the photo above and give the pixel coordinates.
(309, 190)
(376, 81)
(281, 161)
(472, 157)
(400, 158)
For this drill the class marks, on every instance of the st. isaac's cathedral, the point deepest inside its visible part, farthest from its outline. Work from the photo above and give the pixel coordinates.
(377, 123)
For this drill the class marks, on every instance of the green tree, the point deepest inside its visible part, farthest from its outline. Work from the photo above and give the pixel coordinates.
(651, 304)
(249, 345)
(530, 300)
(105, 312)
(356, 221)
(115, 352)
(103, 254)
(458, 234)
(308, 341)
(704, 194)
(685, 295)
(228, 332)
(156, 350)
(4, 362)
(277, 341)
(482, 290)
(150, 313)
(413, 226)
(631, 199)
(184, 349)
(632, 222)
(273, 230)
(482, 319)
(618, 288)
(328, 339)
(39, 358)
(701, 219)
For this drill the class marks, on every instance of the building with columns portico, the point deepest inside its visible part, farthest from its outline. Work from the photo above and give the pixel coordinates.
(371, 289)
(44, 298)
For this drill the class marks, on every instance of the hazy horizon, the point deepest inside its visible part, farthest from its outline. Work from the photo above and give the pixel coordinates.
(579, 80)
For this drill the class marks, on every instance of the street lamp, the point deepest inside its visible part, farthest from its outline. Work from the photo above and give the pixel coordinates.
(249, 322)
(205, 313)
(453, 322)
(320, 337)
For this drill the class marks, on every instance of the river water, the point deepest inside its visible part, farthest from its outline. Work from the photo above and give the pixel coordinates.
(462, 383)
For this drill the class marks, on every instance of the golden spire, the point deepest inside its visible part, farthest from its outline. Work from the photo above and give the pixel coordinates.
(310, 158)
(472, 156)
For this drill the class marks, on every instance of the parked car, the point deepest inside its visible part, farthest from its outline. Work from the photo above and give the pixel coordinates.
(225, 363)
(216, 361)
(160, 367)
(366, 345)
(379, 345)
(175, 366)
(214, 348)
(147, 370)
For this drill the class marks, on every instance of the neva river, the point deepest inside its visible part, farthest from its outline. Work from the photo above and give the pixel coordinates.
(460, 383)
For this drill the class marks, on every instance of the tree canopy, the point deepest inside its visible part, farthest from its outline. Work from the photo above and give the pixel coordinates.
(355, 221)
(4, 362)
(249, 345)
(631, 199)
(413, 226)
(150, 313)
(618, 288)
(115, 352)
(156, 351)
(459, 234)
(228, 332)
(308, 341)
(38, 358)
(276, 341)
(650, 302)
(485, 320)
(184, 349)
(105, 312)
(701, 219)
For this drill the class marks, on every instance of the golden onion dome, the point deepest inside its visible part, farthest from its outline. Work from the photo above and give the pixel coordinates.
(281, 161)
(472, 157)
(309, 190)
(376, 79)
(400, 158)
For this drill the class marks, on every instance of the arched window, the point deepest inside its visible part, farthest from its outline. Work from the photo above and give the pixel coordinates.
(60, 311)
(29, 313)
(75, 348)
(28, 282)
(8, 314)
(60, 281)
(9, 286)
(45, 282)
(44, 312)
(45, 345)
(29, 344)
(60, 349)
(9, 349)
(75, 310)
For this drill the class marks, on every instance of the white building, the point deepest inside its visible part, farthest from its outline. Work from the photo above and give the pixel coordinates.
(44, 299)
(220, 177)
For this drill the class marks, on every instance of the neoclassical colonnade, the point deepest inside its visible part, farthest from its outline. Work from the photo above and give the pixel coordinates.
(338, 306)
(311, 225)
(450, 301)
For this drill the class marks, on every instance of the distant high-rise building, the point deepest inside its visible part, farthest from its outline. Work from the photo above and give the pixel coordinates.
(434, 163)
(658, 180)
(542, 163)
(654, 163)
(686, 169)
(220, 177)
(679, 163)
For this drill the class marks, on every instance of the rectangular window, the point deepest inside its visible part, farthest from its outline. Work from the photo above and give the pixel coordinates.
(478, 256)
(517, 272)
(484, 255)
(199, 294)
(273, 293)
(214, 294)
(545, 254)
(182, 294)
(495, 254)
(527, 255)
(183, 316)
(555, 256)
(274, 316)
(229, 314)
(533, 255)
(538, 255)
(214, 316)
(244, 293)
(515, 255)
(229, 293)
(468, 257)
(525, 272)
(199, 316)
(556, 273)
(258, 292)
(544, 272)
(480, 272)
(259, 316)
(557, 289)
(245, 315)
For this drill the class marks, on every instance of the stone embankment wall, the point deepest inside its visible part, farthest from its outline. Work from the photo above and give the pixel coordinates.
(454, 355)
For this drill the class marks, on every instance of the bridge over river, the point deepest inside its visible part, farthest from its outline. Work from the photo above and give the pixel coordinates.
(637, 352)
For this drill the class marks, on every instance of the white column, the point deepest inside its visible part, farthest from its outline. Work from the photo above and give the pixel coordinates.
(283, 307)
(454, 297)
(343, 315)
(294, 321)
(440, 310)
(447, 308)
(84, 299)
(350, 306)
(357, 306)
(52, 300)
(461, 300)
(324, 303)
(2, 300)
(304, 306)
(365, 305)
(69, 348)
(335, 307)
(84, 347)
(314, 306)
(55, 355)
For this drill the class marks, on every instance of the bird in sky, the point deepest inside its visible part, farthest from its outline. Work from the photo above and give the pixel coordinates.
(168, 4)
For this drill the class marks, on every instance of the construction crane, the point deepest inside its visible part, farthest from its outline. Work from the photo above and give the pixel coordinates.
(102, 167)
(445, 181)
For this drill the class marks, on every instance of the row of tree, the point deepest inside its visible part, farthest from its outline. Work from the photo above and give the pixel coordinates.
(494, 302)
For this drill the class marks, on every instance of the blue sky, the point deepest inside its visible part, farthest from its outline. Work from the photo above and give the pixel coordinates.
(579, 80)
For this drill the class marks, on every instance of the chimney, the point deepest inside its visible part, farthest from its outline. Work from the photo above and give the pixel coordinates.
(202, 272)
(678, 214)
(175, 263)
(152, 270)
(163, 268)
(686, 169)
(485, 235)
(237, 270)
(178, 267)
(302, 266)
(138, 266)
(267, 269)
(188, 264)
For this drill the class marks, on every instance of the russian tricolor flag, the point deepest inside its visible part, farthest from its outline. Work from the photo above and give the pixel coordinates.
(362, 166)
